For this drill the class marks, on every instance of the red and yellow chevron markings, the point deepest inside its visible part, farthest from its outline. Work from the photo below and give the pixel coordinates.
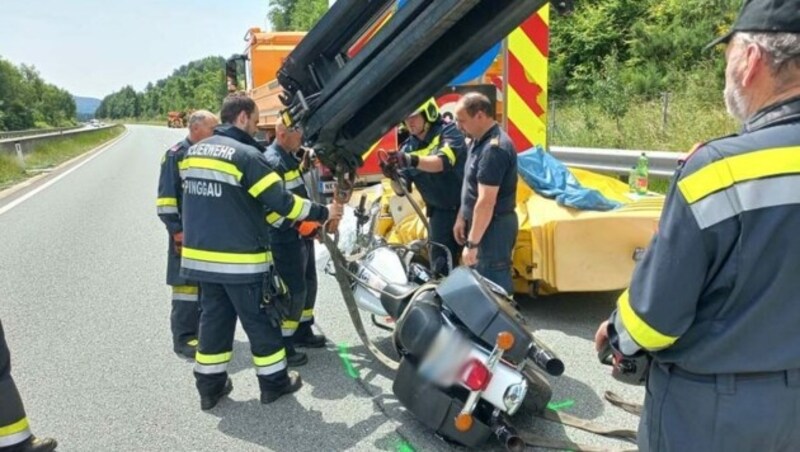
(526, 81)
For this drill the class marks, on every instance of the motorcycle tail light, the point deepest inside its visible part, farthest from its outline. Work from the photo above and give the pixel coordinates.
(475, 375)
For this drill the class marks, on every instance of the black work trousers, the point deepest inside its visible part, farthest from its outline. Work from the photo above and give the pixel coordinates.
(442, 222)
(13, 422)
(185, 314)
(295, 262)
(221, 305)
(725, 412)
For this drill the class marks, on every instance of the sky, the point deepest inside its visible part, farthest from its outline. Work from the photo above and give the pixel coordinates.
(95, 47)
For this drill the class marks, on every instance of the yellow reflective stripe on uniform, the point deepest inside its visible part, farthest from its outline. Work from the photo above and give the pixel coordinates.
(185, 289)
(297, 208)
(288, 327)
(427, 150)
(263, 184)
(262, 361)
(746, 197)
(424, 152)
(273, 217)
(210, 164)
(644, 335)
(448, 152)
(17, 427)
(227, 258)
(291, 175)
(307, 315)
(167, 202)
(219, 358)
(724, 173)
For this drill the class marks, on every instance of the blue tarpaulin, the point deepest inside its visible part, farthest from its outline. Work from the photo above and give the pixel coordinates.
(550, 178)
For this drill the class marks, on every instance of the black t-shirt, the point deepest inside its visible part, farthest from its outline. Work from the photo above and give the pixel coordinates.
(492, 160)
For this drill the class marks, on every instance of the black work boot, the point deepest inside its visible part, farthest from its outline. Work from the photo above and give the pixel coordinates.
(305, 337)
(295, 358)
(187, 349)
(210, 401)
(34, 444)
(271, 395)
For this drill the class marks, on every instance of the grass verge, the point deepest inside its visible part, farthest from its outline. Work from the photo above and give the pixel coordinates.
(53, 153)
(688, 121)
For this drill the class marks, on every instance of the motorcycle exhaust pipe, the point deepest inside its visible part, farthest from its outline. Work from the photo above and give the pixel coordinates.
(508, 436)
(543, 357)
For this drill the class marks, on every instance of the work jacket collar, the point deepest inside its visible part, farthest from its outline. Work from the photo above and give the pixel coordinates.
(231, 131)
(781, 112)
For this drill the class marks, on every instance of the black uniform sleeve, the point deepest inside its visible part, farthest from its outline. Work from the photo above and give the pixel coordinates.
(170, 192)
(267, 186)
(494, 164)
(452, 147)
(661, 303)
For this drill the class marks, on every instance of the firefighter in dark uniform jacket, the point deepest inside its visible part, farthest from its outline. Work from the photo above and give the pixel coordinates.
(185, 302)
(292, 245)
(227, 185)
(715, 301)
(487, 223)
(15, 432)
(433, 158)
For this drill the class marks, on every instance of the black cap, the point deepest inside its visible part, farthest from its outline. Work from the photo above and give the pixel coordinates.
(764, 16)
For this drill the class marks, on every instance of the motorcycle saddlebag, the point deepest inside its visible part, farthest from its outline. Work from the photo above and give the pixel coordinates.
(434, 408)
(483, 312)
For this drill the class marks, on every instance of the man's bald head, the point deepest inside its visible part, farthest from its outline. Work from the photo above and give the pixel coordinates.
(288, 138)
(201, 125)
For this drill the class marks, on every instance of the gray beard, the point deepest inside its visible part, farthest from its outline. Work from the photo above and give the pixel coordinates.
(735, 102)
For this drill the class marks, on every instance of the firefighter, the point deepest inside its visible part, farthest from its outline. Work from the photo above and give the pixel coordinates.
(185, 307)
(227, 185)
(487, 223)
(292, 245)
(15, 433)
(433, 159)
(715, 301)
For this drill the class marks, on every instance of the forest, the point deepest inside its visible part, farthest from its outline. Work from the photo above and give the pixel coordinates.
(27, 101)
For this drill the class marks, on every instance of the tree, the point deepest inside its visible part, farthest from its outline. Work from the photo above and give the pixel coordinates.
(197, 85)
(295, 15)
(27, 101)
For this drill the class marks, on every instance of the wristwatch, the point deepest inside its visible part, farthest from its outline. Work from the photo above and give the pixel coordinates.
(471, 245)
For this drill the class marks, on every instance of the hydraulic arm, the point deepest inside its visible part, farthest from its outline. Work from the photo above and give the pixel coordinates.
(346, 104)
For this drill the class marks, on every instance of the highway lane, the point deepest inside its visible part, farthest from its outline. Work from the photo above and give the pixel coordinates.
(86, 313)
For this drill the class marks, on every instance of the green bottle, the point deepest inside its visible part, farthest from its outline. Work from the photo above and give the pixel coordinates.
(641, 175)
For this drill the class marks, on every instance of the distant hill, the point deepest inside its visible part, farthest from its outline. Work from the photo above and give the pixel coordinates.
(86, 106)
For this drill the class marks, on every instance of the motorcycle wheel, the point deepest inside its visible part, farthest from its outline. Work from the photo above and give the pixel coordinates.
(539, 390)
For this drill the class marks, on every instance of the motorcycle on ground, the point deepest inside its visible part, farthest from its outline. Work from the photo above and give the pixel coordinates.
(468, 361)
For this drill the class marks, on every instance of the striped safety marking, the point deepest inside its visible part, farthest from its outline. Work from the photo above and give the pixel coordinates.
(526, 81)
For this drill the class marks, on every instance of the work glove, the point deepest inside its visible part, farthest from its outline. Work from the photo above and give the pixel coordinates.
(402, 160)
(307, 229)
(389, 169)
(177, 240)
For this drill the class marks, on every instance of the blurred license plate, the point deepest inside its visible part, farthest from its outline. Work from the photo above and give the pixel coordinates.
(327, 186)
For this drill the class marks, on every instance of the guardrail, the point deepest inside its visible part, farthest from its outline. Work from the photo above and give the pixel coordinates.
(35, 132)
(617, 161)
(24, 145)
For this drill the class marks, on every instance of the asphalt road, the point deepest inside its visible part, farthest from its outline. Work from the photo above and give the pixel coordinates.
(86, 314)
